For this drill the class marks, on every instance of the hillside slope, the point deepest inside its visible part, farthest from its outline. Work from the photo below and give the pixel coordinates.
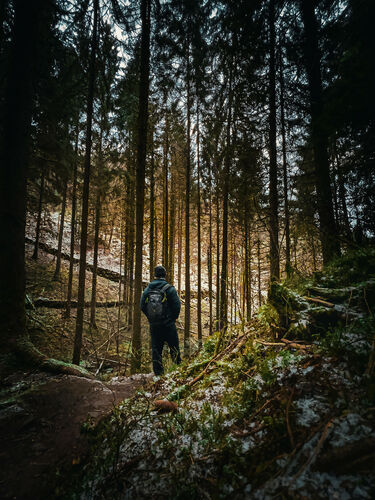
(280, 408)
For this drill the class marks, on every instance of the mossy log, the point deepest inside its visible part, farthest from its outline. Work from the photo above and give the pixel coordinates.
(62, 304)
(30, 355)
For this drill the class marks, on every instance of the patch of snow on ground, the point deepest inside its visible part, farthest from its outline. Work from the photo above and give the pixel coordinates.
(349, 429)
(310, 411)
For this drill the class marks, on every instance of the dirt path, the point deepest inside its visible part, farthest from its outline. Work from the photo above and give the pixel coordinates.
(40, 426)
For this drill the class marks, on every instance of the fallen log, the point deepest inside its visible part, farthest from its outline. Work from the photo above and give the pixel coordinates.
(104, 272)
(61, 304)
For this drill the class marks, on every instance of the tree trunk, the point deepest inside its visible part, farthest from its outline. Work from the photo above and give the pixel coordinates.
(259, 275)
(199, 304)
(165, 195)
(14, 161)
(273, 197)
(319, 135)
(209, 256)
(187, 210)
(132, 210)
(85, 194)
(179, 263)
(247, 271)
(217, 259)
(140, 178)
(72, 228)
(30, 18)
(39, 218)
(342, 195)
(61, 233)
(285, 169)
(171, 233)
(152, 209)
(224, 257)
(95, 257)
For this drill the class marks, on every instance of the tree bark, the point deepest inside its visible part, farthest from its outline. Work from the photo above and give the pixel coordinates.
(72, 228)
(199, 298)
(95, 257)
(171, 233)
(61, 232)
(179, 258)
(39, 218)
(217, 258)
(140, 178)
(273, 197)
(319, 135)
(259, 275)
(285, 169)
(224, 256)
(165, 194)
(29, 20)
(209, 255)
(152, 209)
(187, 208)
(86, 187)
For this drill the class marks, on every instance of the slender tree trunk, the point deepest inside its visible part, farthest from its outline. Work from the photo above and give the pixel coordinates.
(95, 258)
(199, 298)
(132, 210)
(171, 233)
(85, 195)
(111, 232)
(72, 228)
(140, 178)
(259, 275)
(61, 232)
(224, 257)
(96, 233)
(165, 195)
(39, 217)
(273, 197)
(152, 209)
(179, 263)
(335, 198)
(187, 209)
(319, 135)
(247, 270)
(217, 259)
(209, 256)
(285, 168)
(342, 196)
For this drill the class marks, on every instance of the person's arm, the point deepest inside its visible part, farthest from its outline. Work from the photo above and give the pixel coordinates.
(143, 300)
(173, 303)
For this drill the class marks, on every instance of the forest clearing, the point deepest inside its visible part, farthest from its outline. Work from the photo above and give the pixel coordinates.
(187, 257)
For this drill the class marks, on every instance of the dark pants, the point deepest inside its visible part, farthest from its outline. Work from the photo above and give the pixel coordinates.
(159, 335)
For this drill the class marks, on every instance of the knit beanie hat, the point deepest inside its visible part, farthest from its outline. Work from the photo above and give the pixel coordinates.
(160, 272)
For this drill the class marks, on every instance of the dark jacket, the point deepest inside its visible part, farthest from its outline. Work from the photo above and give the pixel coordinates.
(174, 304)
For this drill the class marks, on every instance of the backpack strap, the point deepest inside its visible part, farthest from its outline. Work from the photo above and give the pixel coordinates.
(165, 287)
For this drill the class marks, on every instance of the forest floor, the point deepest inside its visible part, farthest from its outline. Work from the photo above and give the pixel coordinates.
(43, 424)
(281, 407)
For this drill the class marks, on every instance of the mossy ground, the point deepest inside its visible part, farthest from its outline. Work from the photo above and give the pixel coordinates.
(264, 417)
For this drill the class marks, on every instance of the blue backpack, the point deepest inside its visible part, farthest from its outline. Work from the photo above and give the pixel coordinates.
(157, 305)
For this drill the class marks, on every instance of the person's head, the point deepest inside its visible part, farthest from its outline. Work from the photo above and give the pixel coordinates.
(160, 272)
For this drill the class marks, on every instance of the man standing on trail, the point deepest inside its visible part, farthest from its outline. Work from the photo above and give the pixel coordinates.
(161, 305)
